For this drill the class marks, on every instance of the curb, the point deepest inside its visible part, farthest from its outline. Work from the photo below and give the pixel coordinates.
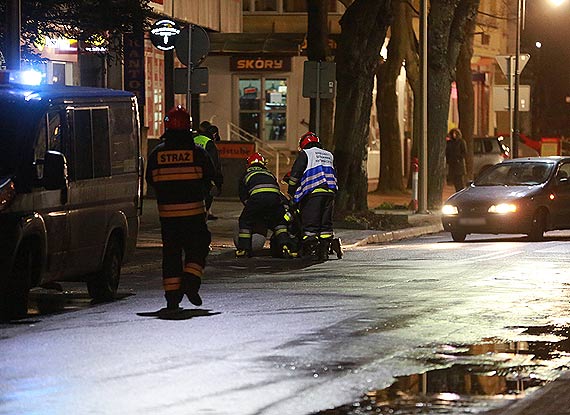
(399, 234)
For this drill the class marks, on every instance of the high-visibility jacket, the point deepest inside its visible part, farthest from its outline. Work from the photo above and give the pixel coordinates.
(208, 144)
(313, 171)
(179, 172)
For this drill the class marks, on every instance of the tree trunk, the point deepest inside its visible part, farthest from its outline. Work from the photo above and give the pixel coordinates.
(318, 50)
(446, 33)
(364, 26)
(391, 171)
(466, 95)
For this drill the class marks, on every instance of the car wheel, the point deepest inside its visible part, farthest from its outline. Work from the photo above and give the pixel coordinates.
(538, 226)
(458, 236)
(102, 286)
(15, 287)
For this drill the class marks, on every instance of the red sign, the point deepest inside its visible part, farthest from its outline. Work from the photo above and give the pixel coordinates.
(229, 150)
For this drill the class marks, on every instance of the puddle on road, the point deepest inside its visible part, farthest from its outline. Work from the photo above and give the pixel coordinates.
(472, 378)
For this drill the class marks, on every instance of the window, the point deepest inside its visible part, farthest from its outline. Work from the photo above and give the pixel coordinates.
(49, 138)
(263, 107)
(123, 128)
(90, 144)
(100, 139)
(285, 6)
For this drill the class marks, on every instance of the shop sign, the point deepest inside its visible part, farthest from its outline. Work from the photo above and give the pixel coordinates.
(134, 65)
(234, 150)
(260, 64)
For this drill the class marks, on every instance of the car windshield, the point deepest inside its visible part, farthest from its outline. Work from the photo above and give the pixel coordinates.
(515, 174)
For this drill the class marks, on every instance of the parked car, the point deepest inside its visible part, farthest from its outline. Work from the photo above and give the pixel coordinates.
(525, 195)
(488, 151)
(70, 188)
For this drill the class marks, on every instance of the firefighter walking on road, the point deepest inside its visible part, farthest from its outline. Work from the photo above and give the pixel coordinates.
(180, 173)
(263, 205)
(313, 186)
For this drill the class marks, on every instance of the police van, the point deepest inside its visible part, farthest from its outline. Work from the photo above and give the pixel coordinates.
(70, 188)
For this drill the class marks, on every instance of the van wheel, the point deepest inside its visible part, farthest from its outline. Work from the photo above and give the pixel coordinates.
(15, 287)
(102, 286)
(538, 226)
(458, 236)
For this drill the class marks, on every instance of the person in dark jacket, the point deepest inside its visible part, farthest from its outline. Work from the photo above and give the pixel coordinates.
(263, 205)
(179, 172)
(455, 153)
(313, 185)
(204, 138)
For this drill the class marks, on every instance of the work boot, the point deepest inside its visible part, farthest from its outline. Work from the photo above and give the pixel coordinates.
(194, 297)
(323, 249)
(288, 253)
(192, 286)
(242, 253)
(336, 247)
(173, 306)
(309, 246)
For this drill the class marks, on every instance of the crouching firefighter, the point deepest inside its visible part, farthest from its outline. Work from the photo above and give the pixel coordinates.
(313, 185)
(263, 205)
(180, 173)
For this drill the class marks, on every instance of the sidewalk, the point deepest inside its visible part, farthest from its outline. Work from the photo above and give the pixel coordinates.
(225, 227)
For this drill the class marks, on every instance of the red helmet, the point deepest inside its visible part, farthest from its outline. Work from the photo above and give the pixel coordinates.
(308, 137)
(256, 158)
(177, 119)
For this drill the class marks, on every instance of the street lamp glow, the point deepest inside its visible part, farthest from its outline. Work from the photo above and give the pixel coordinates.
(557, 2)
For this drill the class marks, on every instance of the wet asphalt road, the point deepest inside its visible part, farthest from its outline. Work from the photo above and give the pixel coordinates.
(295, 337)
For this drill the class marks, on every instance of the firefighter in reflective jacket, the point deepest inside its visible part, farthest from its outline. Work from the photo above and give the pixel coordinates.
(263, 204)
(205, 142)
(313, 185)
(179, 173)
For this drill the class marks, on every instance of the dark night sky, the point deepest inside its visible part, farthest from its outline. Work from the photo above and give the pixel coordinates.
(548, 70)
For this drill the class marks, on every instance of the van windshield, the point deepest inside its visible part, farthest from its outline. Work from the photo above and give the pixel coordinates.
(17, 125)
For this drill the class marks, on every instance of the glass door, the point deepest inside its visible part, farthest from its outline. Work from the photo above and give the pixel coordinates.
(263, 107)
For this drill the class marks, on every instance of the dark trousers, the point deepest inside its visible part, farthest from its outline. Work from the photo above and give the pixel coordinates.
(317, 215)
(264, 210)
(185, 246)
(458, 181)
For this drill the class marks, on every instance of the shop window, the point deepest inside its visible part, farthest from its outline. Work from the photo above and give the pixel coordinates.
(263, 107)
(300, 6)
(285, 6)
(265, 5)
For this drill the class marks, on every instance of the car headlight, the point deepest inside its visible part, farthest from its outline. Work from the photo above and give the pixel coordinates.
(449, 210)
(503, 208)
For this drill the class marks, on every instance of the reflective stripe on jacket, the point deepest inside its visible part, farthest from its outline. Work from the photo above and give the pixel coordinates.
(318, 175)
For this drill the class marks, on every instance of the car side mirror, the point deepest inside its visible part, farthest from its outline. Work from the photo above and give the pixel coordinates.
(55, 171)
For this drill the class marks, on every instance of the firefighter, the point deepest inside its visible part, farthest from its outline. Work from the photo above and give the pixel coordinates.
(203, 140)
(179, 172)
(313, 185)
(263, 204)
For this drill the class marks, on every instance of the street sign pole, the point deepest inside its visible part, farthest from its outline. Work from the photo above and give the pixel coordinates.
(511, 100)
(189, 79)
(318, 100)
(511, 65)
